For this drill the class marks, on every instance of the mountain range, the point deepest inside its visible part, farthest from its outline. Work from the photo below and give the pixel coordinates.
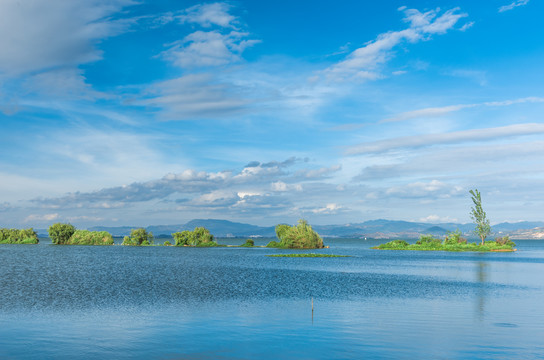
(379, 229)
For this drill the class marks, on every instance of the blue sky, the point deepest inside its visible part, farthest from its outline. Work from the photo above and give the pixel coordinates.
(130, 112)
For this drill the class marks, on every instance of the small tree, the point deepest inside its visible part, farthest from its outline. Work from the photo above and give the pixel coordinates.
(477, 214)
(61, 233)
(138, 237)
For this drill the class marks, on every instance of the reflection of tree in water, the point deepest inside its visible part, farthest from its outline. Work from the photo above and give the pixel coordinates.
(481, 277)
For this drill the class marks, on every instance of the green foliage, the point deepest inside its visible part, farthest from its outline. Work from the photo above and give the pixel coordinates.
(300, 236)
(478, 215)
(86, 237)
(200, 236)
(61, 233)
(505, 240)
(167, 243)
(138, 237)
(248, 243)
(428, 240)
(455, 237)
(394, 245)
(18, 236)
(273, 244)
(434, 246)
(311, 255)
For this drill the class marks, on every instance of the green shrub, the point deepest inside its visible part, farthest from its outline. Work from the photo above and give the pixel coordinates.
(455, 237)
(167, 243)
(86, 237)
(300, 236)
(200, 236)
(138, 237)
(394, 245)
(248, 243)
(60, 233)
(273, 244)
(16, 236)
(428, 240)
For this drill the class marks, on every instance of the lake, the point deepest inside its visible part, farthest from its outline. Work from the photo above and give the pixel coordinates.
(64, 302)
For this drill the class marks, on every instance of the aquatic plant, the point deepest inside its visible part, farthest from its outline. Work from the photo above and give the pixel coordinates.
(86, 237)
(434, 246)
(300, 236)
(60, 233)
(18, 236)
(311, 255)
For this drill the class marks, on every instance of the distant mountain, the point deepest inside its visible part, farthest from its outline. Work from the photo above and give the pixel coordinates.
(379, 228)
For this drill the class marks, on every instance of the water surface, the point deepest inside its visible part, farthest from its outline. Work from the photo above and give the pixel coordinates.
(224, 303)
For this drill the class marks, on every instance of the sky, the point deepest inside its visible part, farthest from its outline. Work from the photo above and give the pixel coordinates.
(141, 112)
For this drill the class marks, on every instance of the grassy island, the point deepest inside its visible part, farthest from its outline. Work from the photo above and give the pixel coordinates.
(66, 234)
(18, 236)
(453, 242)
(300, 236)
(311, 255)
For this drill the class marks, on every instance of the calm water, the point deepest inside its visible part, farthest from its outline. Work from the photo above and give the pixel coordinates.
(169, 303)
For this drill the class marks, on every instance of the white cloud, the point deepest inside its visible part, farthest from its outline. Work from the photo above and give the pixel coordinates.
(44, 34)
(207, 15)
(364, 62)
(513, 5)
(438, 219)
(439, 111)
(446, 138)
(36, 217)
(208, 48)
(434, 188)
(328, 209)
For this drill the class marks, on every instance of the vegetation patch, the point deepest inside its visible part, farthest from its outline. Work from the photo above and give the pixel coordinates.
(300, 236)
(60, 233)
(248, 243)
(199, 237)
(139, 237)
(86, 237)
(428, 243)
(18, 236)
(311, 255)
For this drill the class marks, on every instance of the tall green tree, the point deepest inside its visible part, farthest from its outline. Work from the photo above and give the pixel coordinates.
(61, 233)
(478, 215)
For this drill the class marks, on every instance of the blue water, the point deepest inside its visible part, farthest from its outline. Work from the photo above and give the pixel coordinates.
(64, 302)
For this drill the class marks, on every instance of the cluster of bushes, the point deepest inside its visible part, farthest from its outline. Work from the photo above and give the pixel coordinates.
(200, 236)
(300, 236)
(248, 243)
(454, 241)
(67, 234)
(18, 236)
(139, 237)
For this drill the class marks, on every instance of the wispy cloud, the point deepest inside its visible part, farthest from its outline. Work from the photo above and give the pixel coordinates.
(446, 138)
(513, 5)
(363, 63)
(207, 15)
(443, 110)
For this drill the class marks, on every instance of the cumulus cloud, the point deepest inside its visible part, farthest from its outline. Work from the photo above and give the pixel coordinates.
(363, 63)
(438, 219)
(328, 209)
(513, 5)
(446, 138)
(195, 187)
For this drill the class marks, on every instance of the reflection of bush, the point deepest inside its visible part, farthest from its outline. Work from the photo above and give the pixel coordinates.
(300, 236)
